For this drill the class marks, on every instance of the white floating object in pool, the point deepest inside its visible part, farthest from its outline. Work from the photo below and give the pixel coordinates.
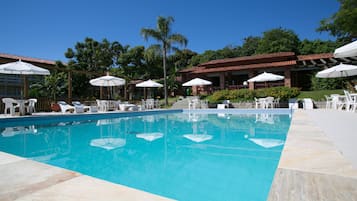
(198, 137)
(267, 143)
(150, 136)
(108, 143)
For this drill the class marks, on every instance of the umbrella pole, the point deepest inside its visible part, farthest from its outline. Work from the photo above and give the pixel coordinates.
(101, 92)
(145, 96)
(25, 86)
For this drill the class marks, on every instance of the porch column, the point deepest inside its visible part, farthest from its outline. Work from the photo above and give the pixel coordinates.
(221, 81)
(251, 84)
(287, 75)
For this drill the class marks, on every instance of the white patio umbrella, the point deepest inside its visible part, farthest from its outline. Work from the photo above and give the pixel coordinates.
(107, 81)
(349, 50)
(341, 70)
(266, 77)
(23, 68)
(148, 84)
(196, 82)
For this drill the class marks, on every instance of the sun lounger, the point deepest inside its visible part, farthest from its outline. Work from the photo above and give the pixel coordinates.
(65, 107)
(308, 104)
(80, 108)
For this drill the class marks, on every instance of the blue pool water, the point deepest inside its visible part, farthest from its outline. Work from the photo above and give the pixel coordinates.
(184, 156)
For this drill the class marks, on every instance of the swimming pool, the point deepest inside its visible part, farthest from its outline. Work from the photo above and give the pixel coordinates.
(181, 155)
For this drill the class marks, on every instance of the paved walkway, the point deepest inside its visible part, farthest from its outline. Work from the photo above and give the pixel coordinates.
(341, 128)
(312, 165)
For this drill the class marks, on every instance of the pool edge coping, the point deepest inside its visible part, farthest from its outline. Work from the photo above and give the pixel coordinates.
(311, 167)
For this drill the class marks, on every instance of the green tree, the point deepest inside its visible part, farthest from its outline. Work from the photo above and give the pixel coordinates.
(342, 24)
(164, 35)
(278, 40)
(91, 56)
(153, 61)
(182, 58)
(327, 83)
(54, 86)
(250, 46)
(316, 46)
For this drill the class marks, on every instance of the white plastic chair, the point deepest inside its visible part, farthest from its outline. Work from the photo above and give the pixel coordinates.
(30, 108)
(204, 104)
(350, 104)
(10, 105)
(328, 102)
(259, 103)
(194, 104)
(65, 107)
(103, 105)
(276, 102)
(150, 103)
(269, 102)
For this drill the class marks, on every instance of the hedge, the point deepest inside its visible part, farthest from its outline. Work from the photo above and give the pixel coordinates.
(284, 93)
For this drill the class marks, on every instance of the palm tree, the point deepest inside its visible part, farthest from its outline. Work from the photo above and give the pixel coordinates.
(163, 34)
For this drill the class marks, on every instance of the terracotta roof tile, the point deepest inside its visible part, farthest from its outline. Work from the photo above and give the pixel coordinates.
(245, 67)
(187, 70)
(27, 59)
(246, 58)
(314, 56)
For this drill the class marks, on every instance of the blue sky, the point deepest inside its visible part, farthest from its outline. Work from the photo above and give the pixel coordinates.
(45, 29)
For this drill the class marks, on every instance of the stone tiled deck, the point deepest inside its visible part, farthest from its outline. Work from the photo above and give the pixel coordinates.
(26, 180)
(311, 167)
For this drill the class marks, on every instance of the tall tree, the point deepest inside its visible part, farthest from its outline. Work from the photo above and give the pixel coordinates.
(278, 40)
(250, 46)
(92, 56)
(316, 46)
(164, 35)
(342, 24)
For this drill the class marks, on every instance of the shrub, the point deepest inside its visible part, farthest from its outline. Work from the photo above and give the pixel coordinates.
(283, 93)
(327, 83)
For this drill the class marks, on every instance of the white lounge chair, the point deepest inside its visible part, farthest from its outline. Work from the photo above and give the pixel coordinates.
(80, 108)
(221, 106)
(65, 107)
(10, 105)
(308, 104)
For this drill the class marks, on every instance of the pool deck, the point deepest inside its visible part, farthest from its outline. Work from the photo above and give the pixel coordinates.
(317, 163)
(312, 165)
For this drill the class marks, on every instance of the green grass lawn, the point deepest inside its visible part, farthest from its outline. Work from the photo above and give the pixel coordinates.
(318, 95)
